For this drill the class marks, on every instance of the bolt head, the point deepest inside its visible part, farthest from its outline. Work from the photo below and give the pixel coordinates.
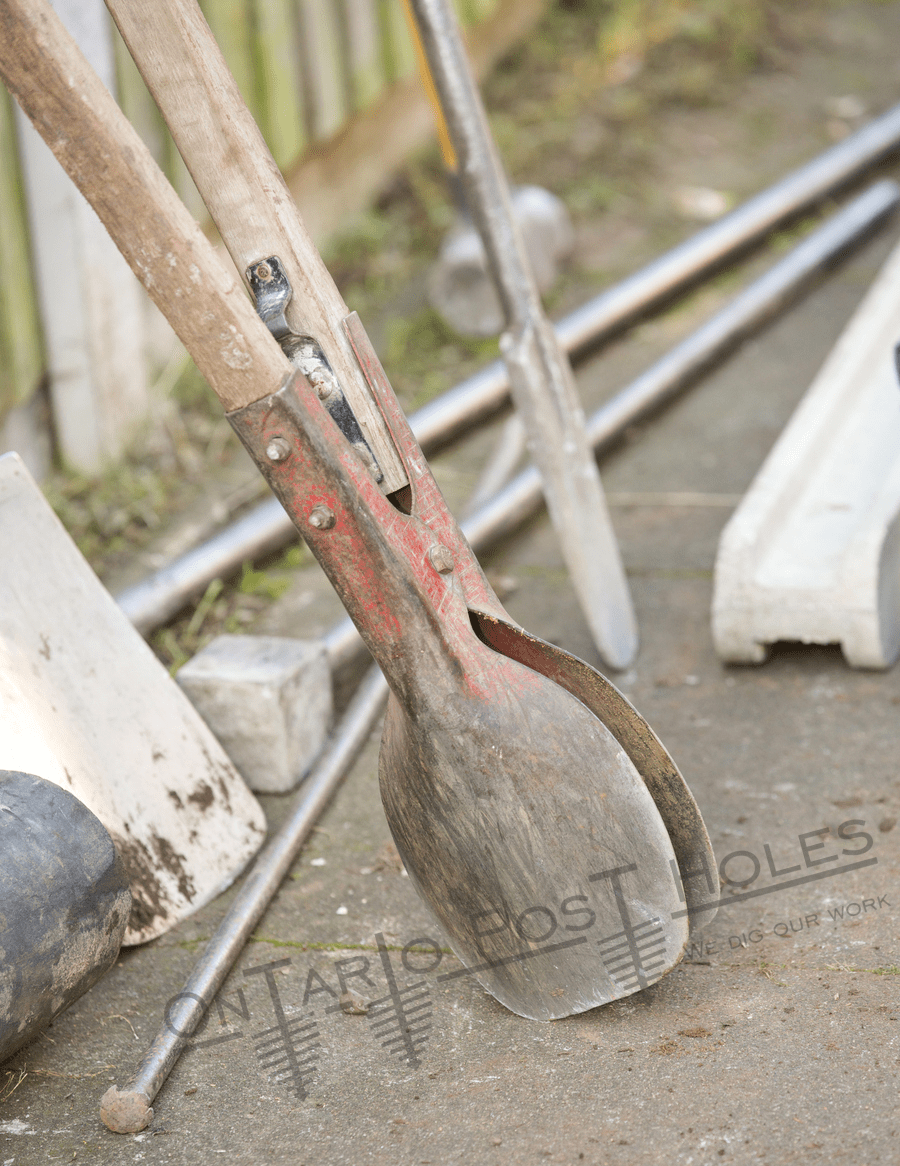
(264, 272)
(321, 383)
(321, 517)
(441, 559)
(278, 449)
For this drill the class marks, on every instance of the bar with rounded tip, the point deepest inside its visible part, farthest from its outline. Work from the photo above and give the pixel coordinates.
(129, 1109)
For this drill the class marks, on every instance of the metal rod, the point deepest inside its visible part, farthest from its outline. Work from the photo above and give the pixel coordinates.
(472, 400)
(151, 603)
(128, 1110)
(684, 363)
(501, 465)
(157, 598)
(541, 380)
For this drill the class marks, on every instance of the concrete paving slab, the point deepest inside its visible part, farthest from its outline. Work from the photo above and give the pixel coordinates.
(807, 556)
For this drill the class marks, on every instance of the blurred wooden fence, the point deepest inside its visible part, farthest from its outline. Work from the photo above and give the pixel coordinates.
(308, 69)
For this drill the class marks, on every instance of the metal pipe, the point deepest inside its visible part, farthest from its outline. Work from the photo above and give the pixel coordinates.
(150, 603)
(685, 362)
(477, 397)
(671, 373)
(128, 1110)
(704, 251)
(501, 465)
(157, 598)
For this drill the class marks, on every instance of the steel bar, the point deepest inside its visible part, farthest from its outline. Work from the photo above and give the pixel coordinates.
(129, 1107)
(472, 400)
(157, 598)
(501, 465)
(152, 602)
(684, 363)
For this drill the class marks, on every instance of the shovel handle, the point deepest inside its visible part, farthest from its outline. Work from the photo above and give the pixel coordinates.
(384, 561)
(84, 127)
(243, 189)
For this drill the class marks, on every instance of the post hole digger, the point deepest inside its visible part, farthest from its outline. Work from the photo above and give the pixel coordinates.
(514, 776)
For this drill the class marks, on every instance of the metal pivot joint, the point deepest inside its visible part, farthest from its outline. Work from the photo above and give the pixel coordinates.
(273, 292)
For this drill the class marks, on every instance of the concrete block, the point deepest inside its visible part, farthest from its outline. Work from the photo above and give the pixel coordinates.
(268, 701)
(812, 554)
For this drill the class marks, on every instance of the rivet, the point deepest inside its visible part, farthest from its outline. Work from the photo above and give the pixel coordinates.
(441, 559)
(321, 517)
(277, 449)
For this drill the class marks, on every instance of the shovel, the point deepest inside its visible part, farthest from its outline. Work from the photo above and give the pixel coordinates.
(540, 376)
(534, 809)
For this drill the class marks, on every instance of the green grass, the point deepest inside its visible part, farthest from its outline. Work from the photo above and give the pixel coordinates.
(117, 511)
(227, 606)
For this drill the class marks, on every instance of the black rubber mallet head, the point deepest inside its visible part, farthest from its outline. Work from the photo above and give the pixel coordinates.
(64, 905)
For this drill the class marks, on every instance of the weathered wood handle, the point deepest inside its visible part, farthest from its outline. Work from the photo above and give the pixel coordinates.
(243, 189)
(103, 155)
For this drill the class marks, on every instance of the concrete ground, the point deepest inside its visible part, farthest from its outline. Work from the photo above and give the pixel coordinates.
(777, 1037)
(776, 1040)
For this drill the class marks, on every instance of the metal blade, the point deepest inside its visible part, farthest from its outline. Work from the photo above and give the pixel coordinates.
(541, 380)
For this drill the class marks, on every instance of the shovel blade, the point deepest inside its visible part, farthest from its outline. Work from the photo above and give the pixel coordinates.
(526, 828)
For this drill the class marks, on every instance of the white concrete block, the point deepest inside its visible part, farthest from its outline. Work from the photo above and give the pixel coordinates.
(268, 701)
(812, 554)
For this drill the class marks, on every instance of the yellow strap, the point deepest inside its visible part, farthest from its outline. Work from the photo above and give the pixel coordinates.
(449, 154)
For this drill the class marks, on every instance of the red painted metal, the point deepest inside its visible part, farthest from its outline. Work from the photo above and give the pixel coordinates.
(378, 556)
(503, 784)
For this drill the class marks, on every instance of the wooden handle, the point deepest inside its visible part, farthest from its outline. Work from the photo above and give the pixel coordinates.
(184, 69)
(103, 155)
